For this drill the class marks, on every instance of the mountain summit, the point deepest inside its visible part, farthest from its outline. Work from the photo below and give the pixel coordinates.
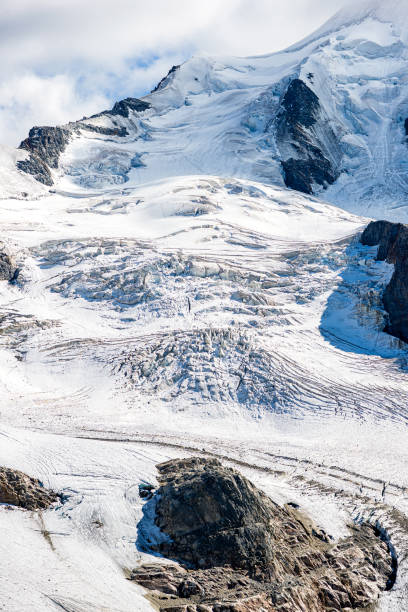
(329, 114)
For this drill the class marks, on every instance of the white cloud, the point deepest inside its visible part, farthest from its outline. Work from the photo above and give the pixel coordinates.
(67, 58)
(49, 100)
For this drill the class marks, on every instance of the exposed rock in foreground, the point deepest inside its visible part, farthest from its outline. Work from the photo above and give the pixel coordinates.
(241, 552)
(18, 489)
(392, 239)
(219, 589)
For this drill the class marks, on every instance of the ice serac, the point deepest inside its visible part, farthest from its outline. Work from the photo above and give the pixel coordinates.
(392, 239)
(310, 151)
(245, 552)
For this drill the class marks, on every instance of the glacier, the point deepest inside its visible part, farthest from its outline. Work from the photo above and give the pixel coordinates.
(175, 297)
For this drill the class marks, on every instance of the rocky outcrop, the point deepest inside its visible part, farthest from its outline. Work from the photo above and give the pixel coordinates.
(309, 148)
(18, 489)
(301, 174)
(215, 517)
(240, 551)
(105, 131)
(175, 588)
(129, 104)
(392, 241)
(122, 109)
(8, 269)
(169, 76)
(45, 145)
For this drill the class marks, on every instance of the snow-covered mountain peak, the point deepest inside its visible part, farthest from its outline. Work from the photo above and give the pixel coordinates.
(236, 117)
(393, 12)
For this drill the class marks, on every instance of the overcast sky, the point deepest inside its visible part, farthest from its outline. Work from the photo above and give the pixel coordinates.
(63, 59)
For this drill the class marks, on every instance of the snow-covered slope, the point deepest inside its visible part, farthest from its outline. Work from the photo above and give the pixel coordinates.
(356, 66)
(190, 315)
(14, 183)
(175, 298)
(234, 117)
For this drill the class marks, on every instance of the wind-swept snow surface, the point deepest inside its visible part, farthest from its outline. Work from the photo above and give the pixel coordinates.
(174, 298)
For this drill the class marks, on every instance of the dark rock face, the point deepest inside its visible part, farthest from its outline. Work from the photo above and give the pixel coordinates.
(301, 104)
(242, 552)
(216, 517)
(122, 131)
(124, 106)
(310, 151)
(45, 145)
(166, 79)
(18, 489)
(8, 269)
(302, 174)
(38, 168)
(392, 239)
